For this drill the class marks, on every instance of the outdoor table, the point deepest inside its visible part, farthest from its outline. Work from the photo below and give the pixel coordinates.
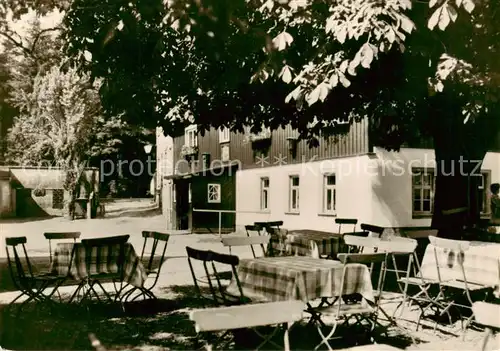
(299, 278)
(481, 264)
(103, 261)
(314, 243)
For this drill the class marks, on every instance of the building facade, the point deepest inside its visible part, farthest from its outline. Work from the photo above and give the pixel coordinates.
(273, 176)
(39, 192)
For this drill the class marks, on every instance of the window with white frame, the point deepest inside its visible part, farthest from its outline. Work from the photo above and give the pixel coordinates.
(264, 193)
(214, 193)
(224, 135)
(424, 185)
(329, 193)
(191, 136)
(293, 200)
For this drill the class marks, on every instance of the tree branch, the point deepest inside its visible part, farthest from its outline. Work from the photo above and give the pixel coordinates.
(17, 43)
(39, 35)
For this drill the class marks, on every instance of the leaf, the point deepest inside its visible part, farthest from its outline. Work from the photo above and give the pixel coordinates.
(343, 66)
(453, 13)
(390, 35)
(407, 25)
(366, 55)
(294, 94)
(334, 80)
(439, 86)
(432, 3)
(286, 74)
(330, 24)
(345, 82)
(341, 34)
(458, 2)
(87, 55)
(468, 5)
(433, 21)
(324, 90)
(444, 18)
(282, 40)
(314, 95)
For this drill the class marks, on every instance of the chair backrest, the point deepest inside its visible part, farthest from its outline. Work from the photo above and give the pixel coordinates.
(205, 257)
(18, 269)
(157, 239)
(361, 242)
(376, 230)
(449, 244)
(398, 245)
(455, 248)
(253, 228)
(262, 240)
(341, 221)
(229, 260)
(108, 243)
(404, 249)
(60, 236)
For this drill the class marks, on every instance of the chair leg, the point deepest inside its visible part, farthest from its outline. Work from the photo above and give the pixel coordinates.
(286, 339)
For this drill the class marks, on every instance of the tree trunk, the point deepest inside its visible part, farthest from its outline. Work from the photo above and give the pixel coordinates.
(460, 149)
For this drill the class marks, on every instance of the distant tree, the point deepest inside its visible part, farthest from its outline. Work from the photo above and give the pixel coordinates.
(24, 63)
(56, 122)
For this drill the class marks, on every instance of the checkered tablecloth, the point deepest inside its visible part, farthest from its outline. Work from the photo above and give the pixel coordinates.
(313, 243)
(299, 278)
(481, 263)
(102, 259)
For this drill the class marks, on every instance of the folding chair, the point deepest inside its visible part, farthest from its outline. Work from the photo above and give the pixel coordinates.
(282, 313)
(60, 236)
(399, 248)
(488, 315)
(341, 221)
(205, 258)
(262, 240)
(357, 244)
(92, 260)
(222, 296)
(455, 290)
(361, 310)
(158, 241)
(30, 283)
(375, 231)
(253, 228)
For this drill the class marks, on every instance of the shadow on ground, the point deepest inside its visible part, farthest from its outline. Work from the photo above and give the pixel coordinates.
(147, 212)
(144, 325)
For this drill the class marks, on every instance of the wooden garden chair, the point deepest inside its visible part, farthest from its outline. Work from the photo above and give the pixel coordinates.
(262, 240)
(488, 315)
(251, 316)
(204, 258)
(157, 243)
(60, 236)
(347, 221)
(93, 279)
(343, 311)
(223, 297)
(30, 283)
(456, 289)
(375, 230)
